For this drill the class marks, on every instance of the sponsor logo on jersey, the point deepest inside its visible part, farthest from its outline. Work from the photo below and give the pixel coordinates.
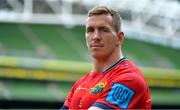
(98, 88)
(120, 95)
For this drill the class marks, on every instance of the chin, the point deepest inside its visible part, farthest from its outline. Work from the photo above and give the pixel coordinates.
(97, 56)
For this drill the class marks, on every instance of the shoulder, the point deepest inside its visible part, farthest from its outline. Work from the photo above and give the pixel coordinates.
(129, 74)
(86, 78)
(129, 69)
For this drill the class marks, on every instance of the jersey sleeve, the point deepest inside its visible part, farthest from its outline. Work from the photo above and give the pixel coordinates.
(73, 89)
(70, 95)
(125, 92)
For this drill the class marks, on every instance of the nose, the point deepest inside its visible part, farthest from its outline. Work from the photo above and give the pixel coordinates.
(97, 35)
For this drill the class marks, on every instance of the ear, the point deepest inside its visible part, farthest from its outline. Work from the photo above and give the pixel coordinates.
(120, 37)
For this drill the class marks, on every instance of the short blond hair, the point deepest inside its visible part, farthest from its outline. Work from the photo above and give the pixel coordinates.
(100, 10)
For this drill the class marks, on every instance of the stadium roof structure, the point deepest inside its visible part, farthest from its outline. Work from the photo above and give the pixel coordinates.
(156, 21)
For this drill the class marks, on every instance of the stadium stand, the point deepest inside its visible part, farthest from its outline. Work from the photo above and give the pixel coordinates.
(69, 44)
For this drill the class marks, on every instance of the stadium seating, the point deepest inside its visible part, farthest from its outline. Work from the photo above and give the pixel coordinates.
(68, 43)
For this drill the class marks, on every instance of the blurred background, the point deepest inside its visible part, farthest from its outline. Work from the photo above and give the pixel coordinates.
(43, 50)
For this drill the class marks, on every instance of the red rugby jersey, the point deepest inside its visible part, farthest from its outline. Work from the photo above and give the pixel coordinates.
(121, 86)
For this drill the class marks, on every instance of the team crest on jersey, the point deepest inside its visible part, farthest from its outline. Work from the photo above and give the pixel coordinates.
(98, 88)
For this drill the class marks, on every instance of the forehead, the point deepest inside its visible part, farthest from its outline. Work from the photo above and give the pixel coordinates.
(99, 20)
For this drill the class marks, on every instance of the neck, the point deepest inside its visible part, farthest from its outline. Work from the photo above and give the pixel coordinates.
(101, 64)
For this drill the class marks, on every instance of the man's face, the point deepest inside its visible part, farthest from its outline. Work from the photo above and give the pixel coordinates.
(101, 37)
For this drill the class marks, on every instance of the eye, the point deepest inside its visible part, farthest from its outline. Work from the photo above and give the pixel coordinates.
(105, 29)
(89, 30)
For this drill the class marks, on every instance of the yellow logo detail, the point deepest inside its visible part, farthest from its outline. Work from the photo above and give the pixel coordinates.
(98, 88)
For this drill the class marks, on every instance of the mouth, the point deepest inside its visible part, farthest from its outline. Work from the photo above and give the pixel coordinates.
(96, 45)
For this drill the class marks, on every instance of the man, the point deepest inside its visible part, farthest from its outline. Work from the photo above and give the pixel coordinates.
(115, 82)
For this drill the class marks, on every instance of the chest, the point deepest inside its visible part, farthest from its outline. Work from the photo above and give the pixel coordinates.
(88, 92)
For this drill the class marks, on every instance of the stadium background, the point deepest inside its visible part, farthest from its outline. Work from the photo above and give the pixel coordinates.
(43, 50)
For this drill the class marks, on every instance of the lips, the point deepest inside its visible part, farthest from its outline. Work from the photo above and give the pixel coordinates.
(96, 45)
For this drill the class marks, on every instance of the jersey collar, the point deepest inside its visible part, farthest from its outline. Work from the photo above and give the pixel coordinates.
(115, 64)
